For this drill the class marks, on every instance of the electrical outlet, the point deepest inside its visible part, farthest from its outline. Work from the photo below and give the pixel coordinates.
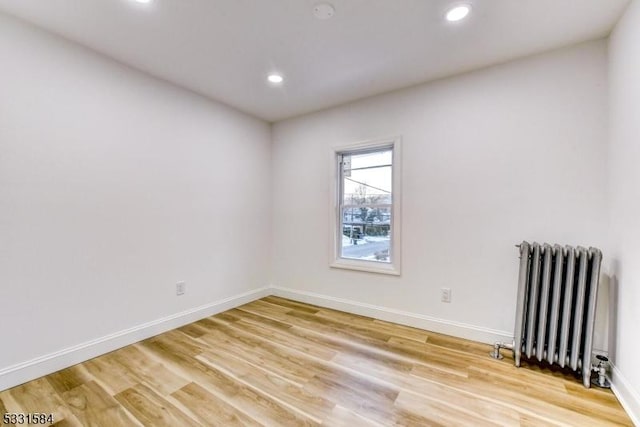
(181, 288)
(445, 295)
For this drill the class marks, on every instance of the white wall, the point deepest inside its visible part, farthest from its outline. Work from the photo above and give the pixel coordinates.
(510, 153)
(624, 189)
(113, 187)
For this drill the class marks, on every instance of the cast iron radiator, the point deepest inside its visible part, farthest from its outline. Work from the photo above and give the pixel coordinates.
(556, 306)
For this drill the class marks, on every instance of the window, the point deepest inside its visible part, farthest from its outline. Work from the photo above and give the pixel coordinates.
(366, 207)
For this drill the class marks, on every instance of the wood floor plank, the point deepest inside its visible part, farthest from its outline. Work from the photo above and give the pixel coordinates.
(37, 396)
(367, 400)
(398, 330)
(69, 378)
(299, 334)
(553, 409)
(341, 335)
(262, 332)
(110, 373)
(67, 422)
(155, 375)
(9, 403)
(246, 314)
(150, 409)
(306, 346)
(322, 326)
(367, 334)
(210, 410)
(561, 398)
(427, 392)
(312, 406)
(343, 417)
(226, 317)
(369, 323)
(262, 353)
(255, 404)
(441, 414)
(451, 343)
(306, 308)
(3, 410)
(193, 330)
(186, 345)
(264, 307)
(430, 392)
(277, 362)
(93, 406)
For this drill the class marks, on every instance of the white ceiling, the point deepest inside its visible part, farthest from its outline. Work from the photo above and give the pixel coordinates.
(224, 49)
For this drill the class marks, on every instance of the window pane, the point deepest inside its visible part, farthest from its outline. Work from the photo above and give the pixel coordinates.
(377, 158)
(367, 186)
(366, 233)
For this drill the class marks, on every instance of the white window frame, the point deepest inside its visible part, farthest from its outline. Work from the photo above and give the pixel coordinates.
(335, 238)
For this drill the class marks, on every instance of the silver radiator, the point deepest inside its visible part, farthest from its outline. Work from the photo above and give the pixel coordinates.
(556, 306)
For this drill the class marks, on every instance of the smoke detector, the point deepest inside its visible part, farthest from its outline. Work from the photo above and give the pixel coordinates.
(323, 11)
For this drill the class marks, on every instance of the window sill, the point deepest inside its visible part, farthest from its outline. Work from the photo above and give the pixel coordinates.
(366, 266)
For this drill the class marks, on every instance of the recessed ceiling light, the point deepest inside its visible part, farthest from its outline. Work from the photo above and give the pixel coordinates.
(458, 13)
(275, 78)
(143, 1)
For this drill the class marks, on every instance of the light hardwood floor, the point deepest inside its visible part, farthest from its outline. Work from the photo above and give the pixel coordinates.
(279, 363)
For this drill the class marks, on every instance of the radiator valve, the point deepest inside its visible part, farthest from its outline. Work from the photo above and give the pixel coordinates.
(495, 353)
(601, 370)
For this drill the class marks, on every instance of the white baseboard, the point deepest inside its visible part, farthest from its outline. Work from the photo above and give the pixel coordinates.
(448, 327)
(53, 362)
(629, 397)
